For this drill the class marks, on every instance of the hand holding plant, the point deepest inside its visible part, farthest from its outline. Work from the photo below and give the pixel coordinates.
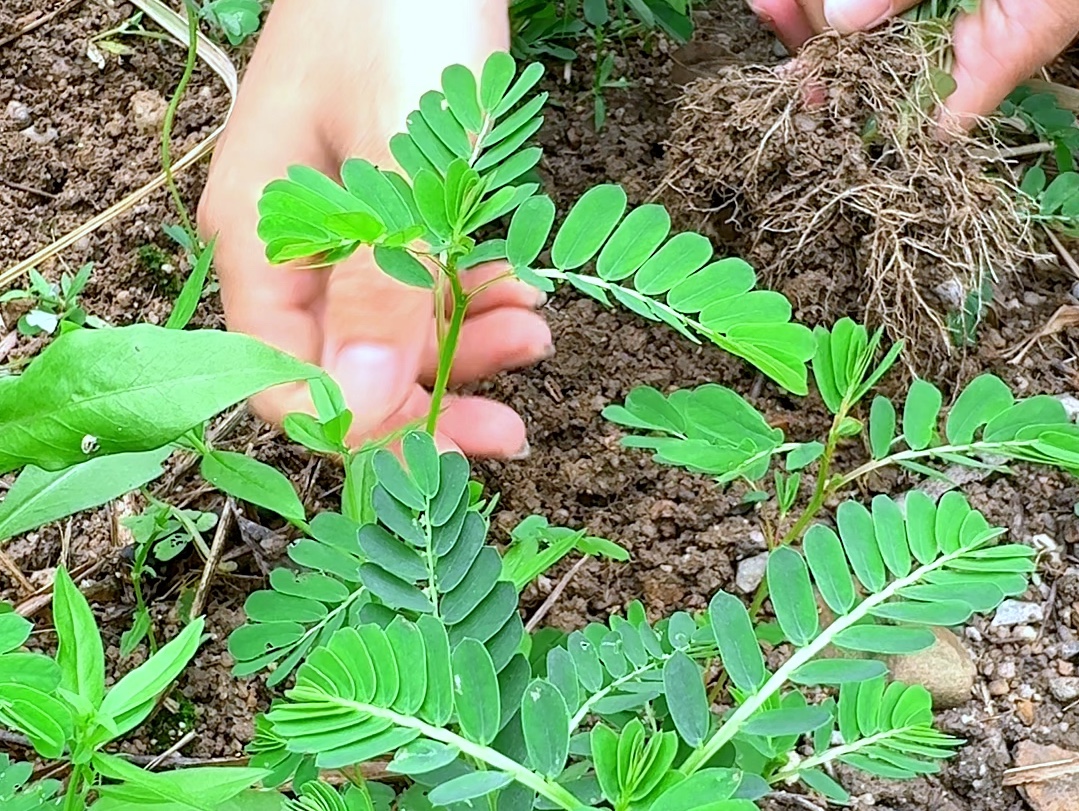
(308, 99)
(998, 43)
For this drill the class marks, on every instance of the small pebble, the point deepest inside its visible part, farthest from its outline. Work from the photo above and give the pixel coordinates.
(751, 573)
(41, 138)
(999, 687)
(1017, 612)
(1006, 670)
(1071, 405)
(1025, 710)
(18, 112)
(1064, 688)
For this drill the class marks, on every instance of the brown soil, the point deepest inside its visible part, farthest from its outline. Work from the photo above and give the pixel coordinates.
(686, 535)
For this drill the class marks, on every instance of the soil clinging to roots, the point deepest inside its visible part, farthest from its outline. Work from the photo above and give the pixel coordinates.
(837, 149)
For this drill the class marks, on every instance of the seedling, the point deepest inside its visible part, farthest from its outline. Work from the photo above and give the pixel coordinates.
(163, 532)
(54, 306)
(237, 19)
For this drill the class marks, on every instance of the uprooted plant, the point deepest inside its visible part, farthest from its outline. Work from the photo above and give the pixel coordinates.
(397, 621)
(843, 147)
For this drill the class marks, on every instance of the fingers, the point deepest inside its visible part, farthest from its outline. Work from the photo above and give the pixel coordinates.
(787, 19)
(1002, 44)
(477, 427)
(848, 16)
(497, 288)
(494, 341)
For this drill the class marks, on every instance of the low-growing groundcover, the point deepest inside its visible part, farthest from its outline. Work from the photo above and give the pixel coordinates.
(394, 631)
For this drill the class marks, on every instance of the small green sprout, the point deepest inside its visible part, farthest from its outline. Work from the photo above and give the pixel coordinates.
(54, 306)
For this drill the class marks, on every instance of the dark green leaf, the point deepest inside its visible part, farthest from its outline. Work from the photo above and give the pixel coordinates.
(791, 721)
(545, 723)
(838, 671)
(824, 554)
(401, 265)
(683, 687)
(476, 692)
(792, 598)
(886, 639)
(253, 481)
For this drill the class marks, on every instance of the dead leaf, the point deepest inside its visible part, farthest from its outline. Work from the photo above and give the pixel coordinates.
(1065, 317)
(1048, 776)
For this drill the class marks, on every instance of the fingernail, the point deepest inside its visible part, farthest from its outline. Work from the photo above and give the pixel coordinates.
(848, 16)
(541, 299)
(548, 352)
(523, 453)
(373, 379)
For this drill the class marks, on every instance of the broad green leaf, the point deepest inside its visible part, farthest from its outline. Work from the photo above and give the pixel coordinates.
(462, 95)
(838, 671)
(983, 399)
(130, 389)
(881, 426)
(545, 724)
(804, 455)
(921, 526)
(529, 230)
(859, 540)
(683, 686)
(14, 631)
(636, 238)
(422, 756)
(133, 698)
(476, 692)
(399, 264)
(80, 653)
(738, 648)
(468, 787)
(707, 790)
(891, 533)
(824, 554)
(792, 596)
(946, 613)
(437, 704)
(39, 497)
(253, 481)
(790, 721)
(683, 255)
(886, 639)
(495, 79)
(920, 414)
(587, 226)
(430, 195)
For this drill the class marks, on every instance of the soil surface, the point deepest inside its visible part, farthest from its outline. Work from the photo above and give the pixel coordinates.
(73, 141)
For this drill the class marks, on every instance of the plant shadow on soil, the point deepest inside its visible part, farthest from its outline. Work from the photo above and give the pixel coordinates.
(685, 534)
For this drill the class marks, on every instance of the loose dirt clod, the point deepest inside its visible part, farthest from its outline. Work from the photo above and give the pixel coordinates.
(837, 149)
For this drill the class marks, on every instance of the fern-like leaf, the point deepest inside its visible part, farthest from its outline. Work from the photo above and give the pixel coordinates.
(710, 429)
(986, 421)
(887, 577)
(674, 281)
(427, 554)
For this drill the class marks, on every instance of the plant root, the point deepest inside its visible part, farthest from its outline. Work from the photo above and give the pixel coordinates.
(831, 168)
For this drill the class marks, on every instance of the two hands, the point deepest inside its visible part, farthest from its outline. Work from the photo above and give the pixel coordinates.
(334, 79)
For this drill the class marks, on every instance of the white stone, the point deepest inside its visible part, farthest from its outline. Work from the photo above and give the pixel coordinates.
(1071, 405)
(1017, 612)
(751, 573)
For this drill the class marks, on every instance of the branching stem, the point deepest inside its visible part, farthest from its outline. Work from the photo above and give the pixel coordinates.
(755, 702)
(526, 777)
(447, 347)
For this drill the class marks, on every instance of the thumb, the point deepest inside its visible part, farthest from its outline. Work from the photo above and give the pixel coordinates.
(1000, 46)
(375, 332)
(848, 16)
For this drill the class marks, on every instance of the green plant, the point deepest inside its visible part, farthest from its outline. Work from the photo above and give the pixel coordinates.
(54, 306)
(237, 19)
(163, 531)
(17, 795)
(62, 705)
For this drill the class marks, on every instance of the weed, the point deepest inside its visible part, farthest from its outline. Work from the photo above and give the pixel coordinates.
(237, 19)
(53, 306)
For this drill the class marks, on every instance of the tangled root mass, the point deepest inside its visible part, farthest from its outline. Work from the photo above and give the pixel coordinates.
(831, 172)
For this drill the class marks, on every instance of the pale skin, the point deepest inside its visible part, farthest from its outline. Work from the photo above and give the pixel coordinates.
(334, 79)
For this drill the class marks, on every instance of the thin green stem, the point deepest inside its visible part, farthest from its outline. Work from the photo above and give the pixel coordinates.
(73, 797)
(1005, 448)
(755, 702)
(447, 347)
(836, 752)
(526, 777)
(170, 117)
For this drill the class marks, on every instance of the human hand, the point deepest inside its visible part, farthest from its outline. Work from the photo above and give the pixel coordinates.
(1003, 43)
(330, 80)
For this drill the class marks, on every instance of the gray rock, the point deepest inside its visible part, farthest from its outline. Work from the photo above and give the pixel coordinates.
(1017, 612)
(1071, 405)
(751, 573)
(1064, 688)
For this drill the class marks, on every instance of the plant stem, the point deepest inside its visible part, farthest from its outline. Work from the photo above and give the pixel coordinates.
(447, 347)
(699, 757)
(170, 117)
(73, 796)
(496, 760)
